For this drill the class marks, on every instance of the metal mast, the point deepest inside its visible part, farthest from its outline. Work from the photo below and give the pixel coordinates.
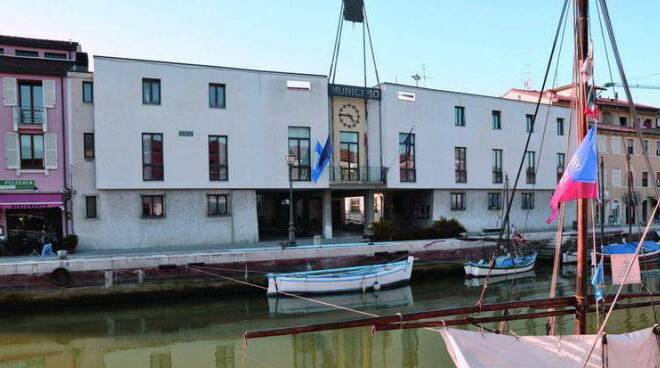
(582, 50)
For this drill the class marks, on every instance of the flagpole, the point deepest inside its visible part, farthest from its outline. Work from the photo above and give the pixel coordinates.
(582, 49)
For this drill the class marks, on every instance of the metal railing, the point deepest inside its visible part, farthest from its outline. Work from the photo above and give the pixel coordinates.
(35, 115)
(531, 175)
(361, 174)
(497, 176)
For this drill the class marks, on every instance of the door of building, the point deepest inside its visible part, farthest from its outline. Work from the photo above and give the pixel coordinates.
(34, 227)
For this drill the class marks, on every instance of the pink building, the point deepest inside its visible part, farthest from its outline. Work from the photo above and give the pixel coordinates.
(33, 176)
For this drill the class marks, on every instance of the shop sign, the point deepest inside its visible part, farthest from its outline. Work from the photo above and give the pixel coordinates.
(16, 184)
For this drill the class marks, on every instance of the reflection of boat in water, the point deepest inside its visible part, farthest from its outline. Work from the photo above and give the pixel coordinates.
(338, 280)
(504, 265)
(479, 281)
(389, 298)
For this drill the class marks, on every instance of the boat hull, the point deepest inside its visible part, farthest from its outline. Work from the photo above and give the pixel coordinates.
(473, 269)
(356, 279)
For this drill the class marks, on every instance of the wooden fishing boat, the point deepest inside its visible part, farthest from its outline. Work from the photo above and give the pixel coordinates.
(480, 281)
(504, 265)
(650, 252)
(340, 280)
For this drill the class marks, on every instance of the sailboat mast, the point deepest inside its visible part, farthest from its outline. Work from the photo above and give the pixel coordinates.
(582, 50)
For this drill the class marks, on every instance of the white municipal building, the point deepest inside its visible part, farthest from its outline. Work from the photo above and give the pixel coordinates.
(172, 154)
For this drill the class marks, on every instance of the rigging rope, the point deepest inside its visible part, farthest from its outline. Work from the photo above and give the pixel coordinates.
(522, 161)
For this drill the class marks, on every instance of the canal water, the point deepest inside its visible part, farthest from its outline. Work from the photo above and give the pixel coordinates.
(208, 334)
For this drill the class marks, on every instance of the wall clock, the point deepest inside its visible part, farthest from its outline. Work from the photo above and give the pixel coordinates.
(349, 115)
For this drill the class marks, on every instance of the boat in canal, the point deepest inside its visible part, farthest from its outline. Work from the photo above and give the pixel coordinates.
(480, 281)
(503, 265)
(341, 280)
(649, 253)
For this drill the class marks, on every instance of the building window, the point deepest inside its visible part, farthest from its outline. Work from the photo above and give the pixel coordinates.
(407, 173)
(26, 53)
(527, 201)
(630, 146)
(31, 102)
(497, 119)
(560, 126)
(657, 148)
(657, 179)
(459, 115)
(530, 123)
(87, 92)
(531, 167)
(645, 179)
(153, 206)
(32, 151)
(152, 157)
(217, 205)
(150, 91)
(349, 156)
(218, 162)
(497, 166)
(623, 121)
(495, 201)
(217, 96)
(90, 207)
(458, 201)
(460, 164)
(561, 164)
(88, 146)
(55, 55)
(422, 211)
(645, 147)
(2, 51)
(299, 144)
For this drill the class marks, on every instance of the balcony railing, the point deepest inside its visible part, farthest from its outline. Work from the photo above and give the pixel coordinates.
(461, 176)
(531, 175)
(360, 175)
(497, 176)
(31, 116)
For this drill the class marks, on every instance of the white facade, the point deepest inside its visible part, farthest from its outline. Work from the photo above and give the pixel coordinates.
(430, 116)
(260, 107)
(258, 112)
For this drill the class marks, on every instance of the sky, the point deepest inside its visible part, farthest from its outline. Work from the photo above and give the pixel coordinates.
(476, 46)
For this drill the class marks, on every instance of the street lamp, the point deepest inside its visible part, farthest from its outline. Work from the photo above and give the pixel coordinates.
(291, 161)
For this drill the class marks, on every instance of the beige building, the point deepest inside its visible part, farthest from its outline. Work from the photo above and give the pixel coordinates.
(617, 138)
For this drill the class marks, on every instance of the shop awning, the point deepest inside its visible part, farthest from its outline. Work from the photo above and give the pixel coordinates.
(27, 201)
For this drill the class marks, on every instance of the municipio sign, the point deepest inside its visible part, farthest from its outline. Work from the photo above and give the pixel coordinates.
(341, 90)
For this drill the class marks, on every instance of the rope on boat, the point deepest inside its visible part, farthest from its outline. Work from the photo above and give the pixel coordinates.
(505, 223)
(247, 283)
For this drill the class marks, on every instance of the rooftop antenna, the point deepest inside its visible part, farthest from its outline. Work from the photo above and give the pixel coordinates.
(416, 77)
(527, 77)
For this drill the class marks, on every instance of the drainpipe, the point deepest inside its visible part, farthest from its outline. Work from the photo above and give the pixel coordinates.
(64, 163)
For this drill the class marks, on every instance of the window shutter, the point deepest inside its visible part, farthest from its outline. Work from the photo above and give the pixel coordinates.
(49, 93)
(11, 150)
(15, 117)
(50, 151)
(9, 92)
(44, 124)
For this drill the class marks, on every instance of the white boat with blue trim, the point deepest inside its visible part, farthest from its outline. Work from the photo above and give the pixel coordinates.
(340, 280)
(504, 265)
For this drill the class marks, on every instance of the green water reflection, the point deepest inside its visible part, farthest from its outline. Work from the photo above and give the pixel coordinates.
(209, 334)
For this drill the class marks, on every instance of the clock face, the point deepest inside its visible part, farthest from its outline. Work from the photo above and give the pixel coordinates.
(349, 115)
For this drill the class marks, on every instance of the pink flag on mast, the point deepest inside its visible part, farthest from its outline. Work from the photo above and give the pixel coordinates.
(580, 180)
